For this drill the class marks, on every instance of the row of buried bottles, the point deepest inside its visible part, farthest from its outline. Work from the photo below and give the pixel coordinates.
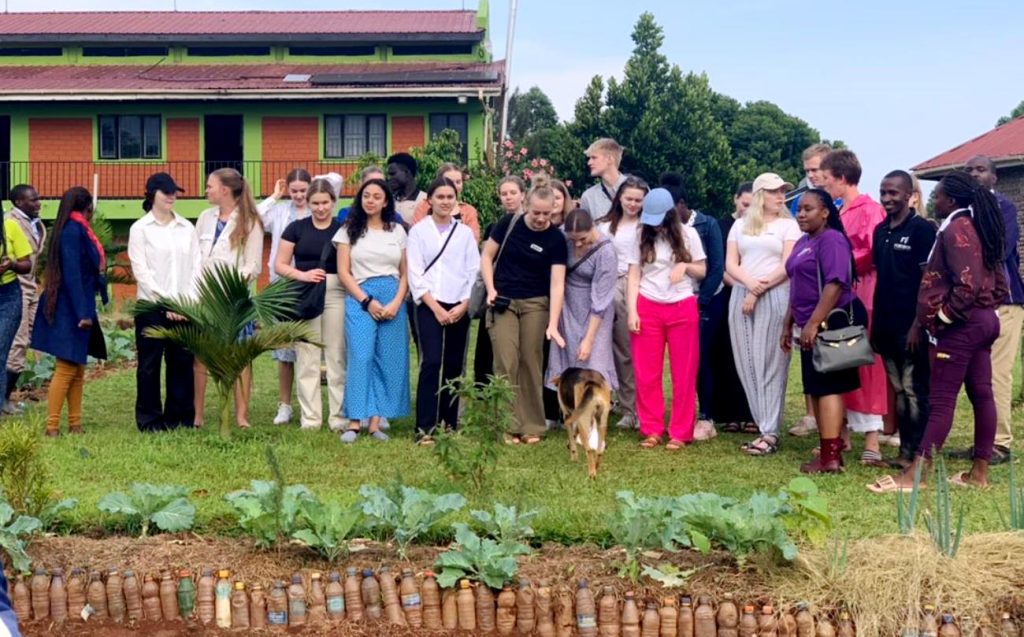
(542, 610)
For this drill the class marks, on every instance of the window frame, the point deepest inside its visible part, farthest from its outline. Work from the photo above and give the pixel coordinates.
(340, 142)
(448, 115)
(119, 155)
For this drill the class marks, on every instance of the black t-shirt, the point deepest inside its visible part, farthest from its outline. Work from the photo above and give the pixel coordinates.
(899, 254)
(309, 244)
(524, 269)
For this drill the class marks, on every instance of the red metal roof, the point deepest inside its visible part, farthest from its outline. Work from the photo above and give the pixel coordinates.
(1005, 142)
(113, 23)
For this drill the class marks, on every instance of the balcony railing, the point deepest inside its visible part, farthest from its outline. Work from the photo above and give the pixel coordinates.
(127, 179)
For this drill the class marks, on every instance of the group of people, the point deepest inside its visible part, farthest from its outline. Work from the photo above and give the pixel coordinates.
(609, 284)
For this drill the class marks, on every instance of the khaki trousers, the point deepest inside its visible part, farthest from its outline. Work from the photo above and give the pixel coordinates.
(16, 358)
(1004, 354)
(328, 329)
(621, 350)
(517, 337)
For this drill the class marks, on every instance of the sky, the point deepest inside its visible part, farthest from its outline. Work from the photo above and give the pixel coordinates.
(898, 82)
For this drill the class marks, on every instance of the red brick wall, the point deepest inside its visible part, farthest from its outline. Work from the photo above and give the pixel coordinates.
(406, 133)
(183, 146)
(292, 142)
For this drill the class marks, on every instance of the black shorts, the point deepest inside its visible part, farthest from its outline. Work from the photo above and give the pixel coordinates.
(817, 384)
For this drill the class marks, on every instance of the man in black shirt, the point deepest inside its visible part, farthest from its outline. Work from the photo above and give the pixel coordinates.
(902, 244)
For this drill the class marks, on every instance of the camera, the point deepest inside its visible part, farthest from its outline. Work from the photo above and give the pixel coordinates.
(501, 303)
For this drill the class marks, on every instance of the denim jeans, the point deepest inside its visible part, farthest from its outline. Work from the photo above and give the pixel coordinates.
(10, 319)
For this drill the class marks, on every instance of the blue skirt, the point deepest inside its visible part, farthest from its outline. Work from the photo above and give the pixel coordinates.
(377, 381)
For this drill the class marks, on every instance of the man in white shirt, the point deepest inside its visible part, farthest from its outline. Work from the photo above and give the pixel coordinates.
(26, 214)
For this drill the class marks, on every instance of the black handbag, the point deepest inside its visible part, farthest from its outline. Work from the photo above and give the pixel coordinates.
(837, 349)
(309, 303)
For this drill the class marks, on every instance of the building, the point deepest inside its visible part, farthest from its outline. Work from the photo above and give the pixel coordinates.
(1004, 145)
(108, 98)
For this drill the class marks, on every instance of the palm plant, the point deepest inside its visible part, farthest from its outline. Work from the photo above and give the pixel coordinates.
(222, 306)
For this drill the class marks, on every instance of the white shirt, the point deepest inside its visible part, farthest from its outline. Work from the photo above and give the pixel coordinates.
(376, 253)
(406, 208)
(164, 257)
(451, 277)
(625, 240)
(276, 216)
(656, 278)
(246, 257)
(760, 255)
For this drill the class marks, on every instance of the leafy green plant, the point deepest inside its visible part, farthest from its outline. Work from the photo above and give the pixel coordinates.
(1015, 522)
(477, 558)
(38, 370)
(327, 527)
(506, 524)
(223, 306)
(14, 529)
(163, 505)
(945, 535)
(24, 477)
(470, 454)
(404, 512)
(669, 575)
(807, 513)
(839, 557)
(906, 510)
(741, 528)
(639, 524)
(267, 511)
(120, 345)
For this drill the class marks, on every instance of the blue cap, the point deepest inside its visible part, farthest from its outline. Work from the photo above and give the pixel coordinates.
(656, 204)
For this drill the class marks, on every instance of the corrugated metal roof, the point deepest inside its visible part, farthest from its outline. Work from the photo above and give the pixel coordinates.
(112, 23)
(1004, 142)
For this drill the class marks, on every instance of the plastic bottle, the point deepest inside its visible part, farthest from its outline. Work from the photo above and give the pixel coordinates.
(767, 626)
(389, 593)
(76, 593)
(630, 616)
(929, 622)
(565, 618)
(58, 597)
(206, 609)
(450, 609)
(431, 596)
(948, 627)
(412, 602)
(353, 595)
(651, 624)
(371, 594)
(1007, 627)
(168, 597)
(485, 609)
(277, 608)
(684, 623)
(115, 596)
(543, 606)
(335, 598)
(257, 607)
(825, 628)
(40, 587)
(132, 596)
(222, 599)
(704, 624)
(317, 610)
(747, 624)
(96, 596)
(985, 628)
(186, 594)
(586, 611)
(526, 616)
(466, 605)
(727, 617)
(239, 607)
(296, 602)
(804, 621)
(787, 625)
(22, 600)
(669, 616)
(845, 627)
(151, 599)
(608, 624)
(505, 618)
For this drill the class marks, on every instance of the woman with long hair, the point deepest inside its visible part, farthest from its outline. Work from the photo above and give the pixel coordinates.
(231, 234)
(443, 264)
(963, 284)
(757, 248)
(372, 266)
(664, 270)
(67, 325)
(622, 226)
(464, 213)
(307, 255)
(821, 275)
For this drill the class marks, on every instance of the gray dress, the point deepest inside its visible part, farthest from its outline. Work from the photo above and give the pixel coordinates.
(589, 290)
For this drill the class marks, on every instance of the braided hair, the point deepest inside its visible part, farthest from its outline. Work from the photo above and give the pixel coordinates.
(985, 214)
(833, 221)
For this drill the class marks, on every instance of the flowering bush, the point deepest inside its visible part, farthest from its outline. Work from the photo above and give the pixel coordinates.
(521, 162)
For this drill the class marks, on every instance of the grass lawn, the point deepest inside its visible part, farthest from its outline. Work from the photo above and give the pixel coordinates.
(114, 454)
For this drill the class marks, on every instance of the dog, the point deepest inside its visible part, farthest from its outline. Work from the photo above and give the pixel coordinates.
(585, 399)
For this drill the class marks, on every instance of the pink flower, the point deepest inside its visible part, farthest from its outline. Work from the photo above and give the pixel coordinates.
(508, 154)
(527, 173)
(535, 163)
(508, 143)
(523, 151)
(543, 162)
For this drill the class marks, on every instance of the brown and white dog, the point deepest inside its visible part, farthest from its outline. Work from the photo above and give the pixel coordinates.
(586, 399)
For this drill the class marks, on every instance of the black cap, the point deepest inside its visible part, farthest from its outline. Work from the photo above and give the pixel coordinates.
(164, 183)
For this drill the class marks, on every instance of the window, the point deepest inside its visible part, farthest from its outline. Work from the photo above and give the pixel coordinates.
(129, 136)
(458, 122)
(123, 51)
(432, 49)
(332, 50)
(354, 135)
(23, 51)
(223, 51)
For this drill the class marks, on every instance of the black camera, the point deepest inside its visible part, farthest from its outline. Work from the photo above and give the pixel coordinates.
(501, 303)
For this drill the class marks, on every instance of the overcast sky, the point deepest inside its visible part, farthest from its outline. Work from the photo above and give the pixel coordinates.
(899, 82)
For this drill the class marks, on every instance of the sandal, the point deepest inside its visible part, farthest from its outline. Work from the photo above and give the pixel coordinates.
(732, 427)
(512, 439)
(888, 484)
(675, 445)
(425, 441)
(962, 479)
(751, 428)
(761, 446)
(871, 458)
(530, 440)
(650, 442)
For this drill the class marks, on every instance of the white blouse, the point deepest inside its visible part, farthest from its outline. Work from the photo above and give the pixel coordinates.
(451, 277)
(246, 257)
(165, 258)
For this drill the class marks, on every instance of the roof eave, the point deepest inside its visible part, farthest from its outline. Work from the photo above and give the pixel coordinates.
(480, 92)
(935, 173)
(86, 39)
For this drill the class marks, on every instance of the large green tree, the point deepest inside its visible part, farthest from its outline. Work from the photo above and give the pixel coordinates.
(1014, 114)
(529, 113)
(764, 138)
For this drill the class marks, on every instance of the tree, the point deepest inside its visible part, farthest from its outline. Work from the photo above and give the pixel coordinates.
(588, 115)
(766, 139)
(1014, 114)
(529, 113)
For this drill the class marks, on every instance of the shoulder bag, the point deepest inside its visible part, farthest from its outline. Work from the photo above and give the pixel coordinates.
(478, 295)
(844, 347)
(309, 303)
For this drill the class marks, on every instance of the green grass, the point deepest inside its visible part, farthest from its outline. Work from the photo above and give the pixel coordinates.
(114, 454)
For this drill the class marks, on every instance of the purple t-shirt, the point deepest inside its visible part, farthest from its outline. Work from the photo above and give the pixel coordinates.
(829, 249)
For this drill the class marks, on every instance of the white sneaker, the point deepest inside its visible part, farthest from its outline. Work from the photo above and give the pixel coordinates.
(704, 430)
(804, 427)
(892, 440)
(628, 421)
(284, 414)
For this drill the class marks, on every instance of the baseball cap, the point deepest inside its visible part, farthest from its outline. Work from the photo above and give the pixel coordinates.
(656, 204)
(164, 183)
(770, 181)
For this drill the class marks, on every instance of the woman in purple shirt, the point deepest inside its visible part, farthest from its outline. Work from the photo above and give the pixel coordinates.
(820, 271)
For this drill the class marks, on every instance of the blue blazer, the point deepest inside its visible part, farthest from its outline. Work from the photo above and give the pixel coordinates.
(81, 280)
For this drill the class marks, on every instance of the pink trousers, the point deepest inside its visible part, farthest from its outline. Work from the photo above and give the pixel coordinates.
(677, 326)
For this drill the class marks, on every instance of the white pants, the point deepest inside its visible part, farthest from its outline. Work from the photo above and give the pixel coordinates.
(329, 329)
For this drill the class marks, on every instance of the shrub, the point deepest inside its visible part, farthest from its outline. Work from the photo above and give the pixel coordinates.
(24, 477)
(166, 506)
(405, 513)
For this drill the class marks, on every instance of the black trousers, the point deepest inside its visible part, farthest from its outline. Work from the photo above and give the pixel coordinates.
(442, 353)
(176, 409)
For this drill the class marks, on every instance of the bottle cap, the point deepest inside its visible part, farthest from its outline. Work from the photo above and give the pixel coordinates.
(406, 572)
(315, 575)
(929, 608)
(239, 586)
(669, 601)
(184, 573)
(749, 608)
(686, 600)
(767, 610)
(428, 574)
(334, 576)
(207, 572)
(608, 590)
(651, 604)
(223, 573)
(464, 583)
(583, 583)
(296, 578)
(727, 596)
(367, 572)
(630, 594)
(59, 572)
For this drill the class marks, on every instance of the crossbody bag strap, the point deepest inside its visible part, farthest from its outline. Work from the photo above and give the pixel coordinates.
(324, 253)
(508, 233)
(821, 286)
(586, 256)
(445, 245)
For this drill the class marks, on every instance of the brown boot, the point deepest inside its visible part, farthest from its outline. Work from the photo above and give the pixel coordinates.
(830, 460)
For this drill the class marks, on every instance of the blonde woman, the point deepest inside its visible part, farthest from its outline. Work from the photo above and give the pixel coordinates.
(757, 248)
(563, 203)
(230, 233)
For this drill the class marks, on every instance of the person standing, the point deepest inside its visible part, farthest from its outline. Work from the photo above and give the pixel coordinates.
(372, 171)
(603, 159)
(163, 248)
(372, 266)
(758, 246)
(15, 259)
(963, 285)
(463, 213)
(67, 325)
(443, 264)
(230, 234)
(402, 172)
(900, 251)
(860, 214)
(25, 213)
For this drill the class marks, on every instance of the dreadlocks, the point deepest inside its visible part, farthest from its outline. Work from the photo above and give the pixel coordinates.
(985, 215)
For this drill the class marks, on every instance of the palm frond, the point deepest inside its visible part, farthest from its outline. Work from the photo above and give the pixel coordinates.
(275, 302)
